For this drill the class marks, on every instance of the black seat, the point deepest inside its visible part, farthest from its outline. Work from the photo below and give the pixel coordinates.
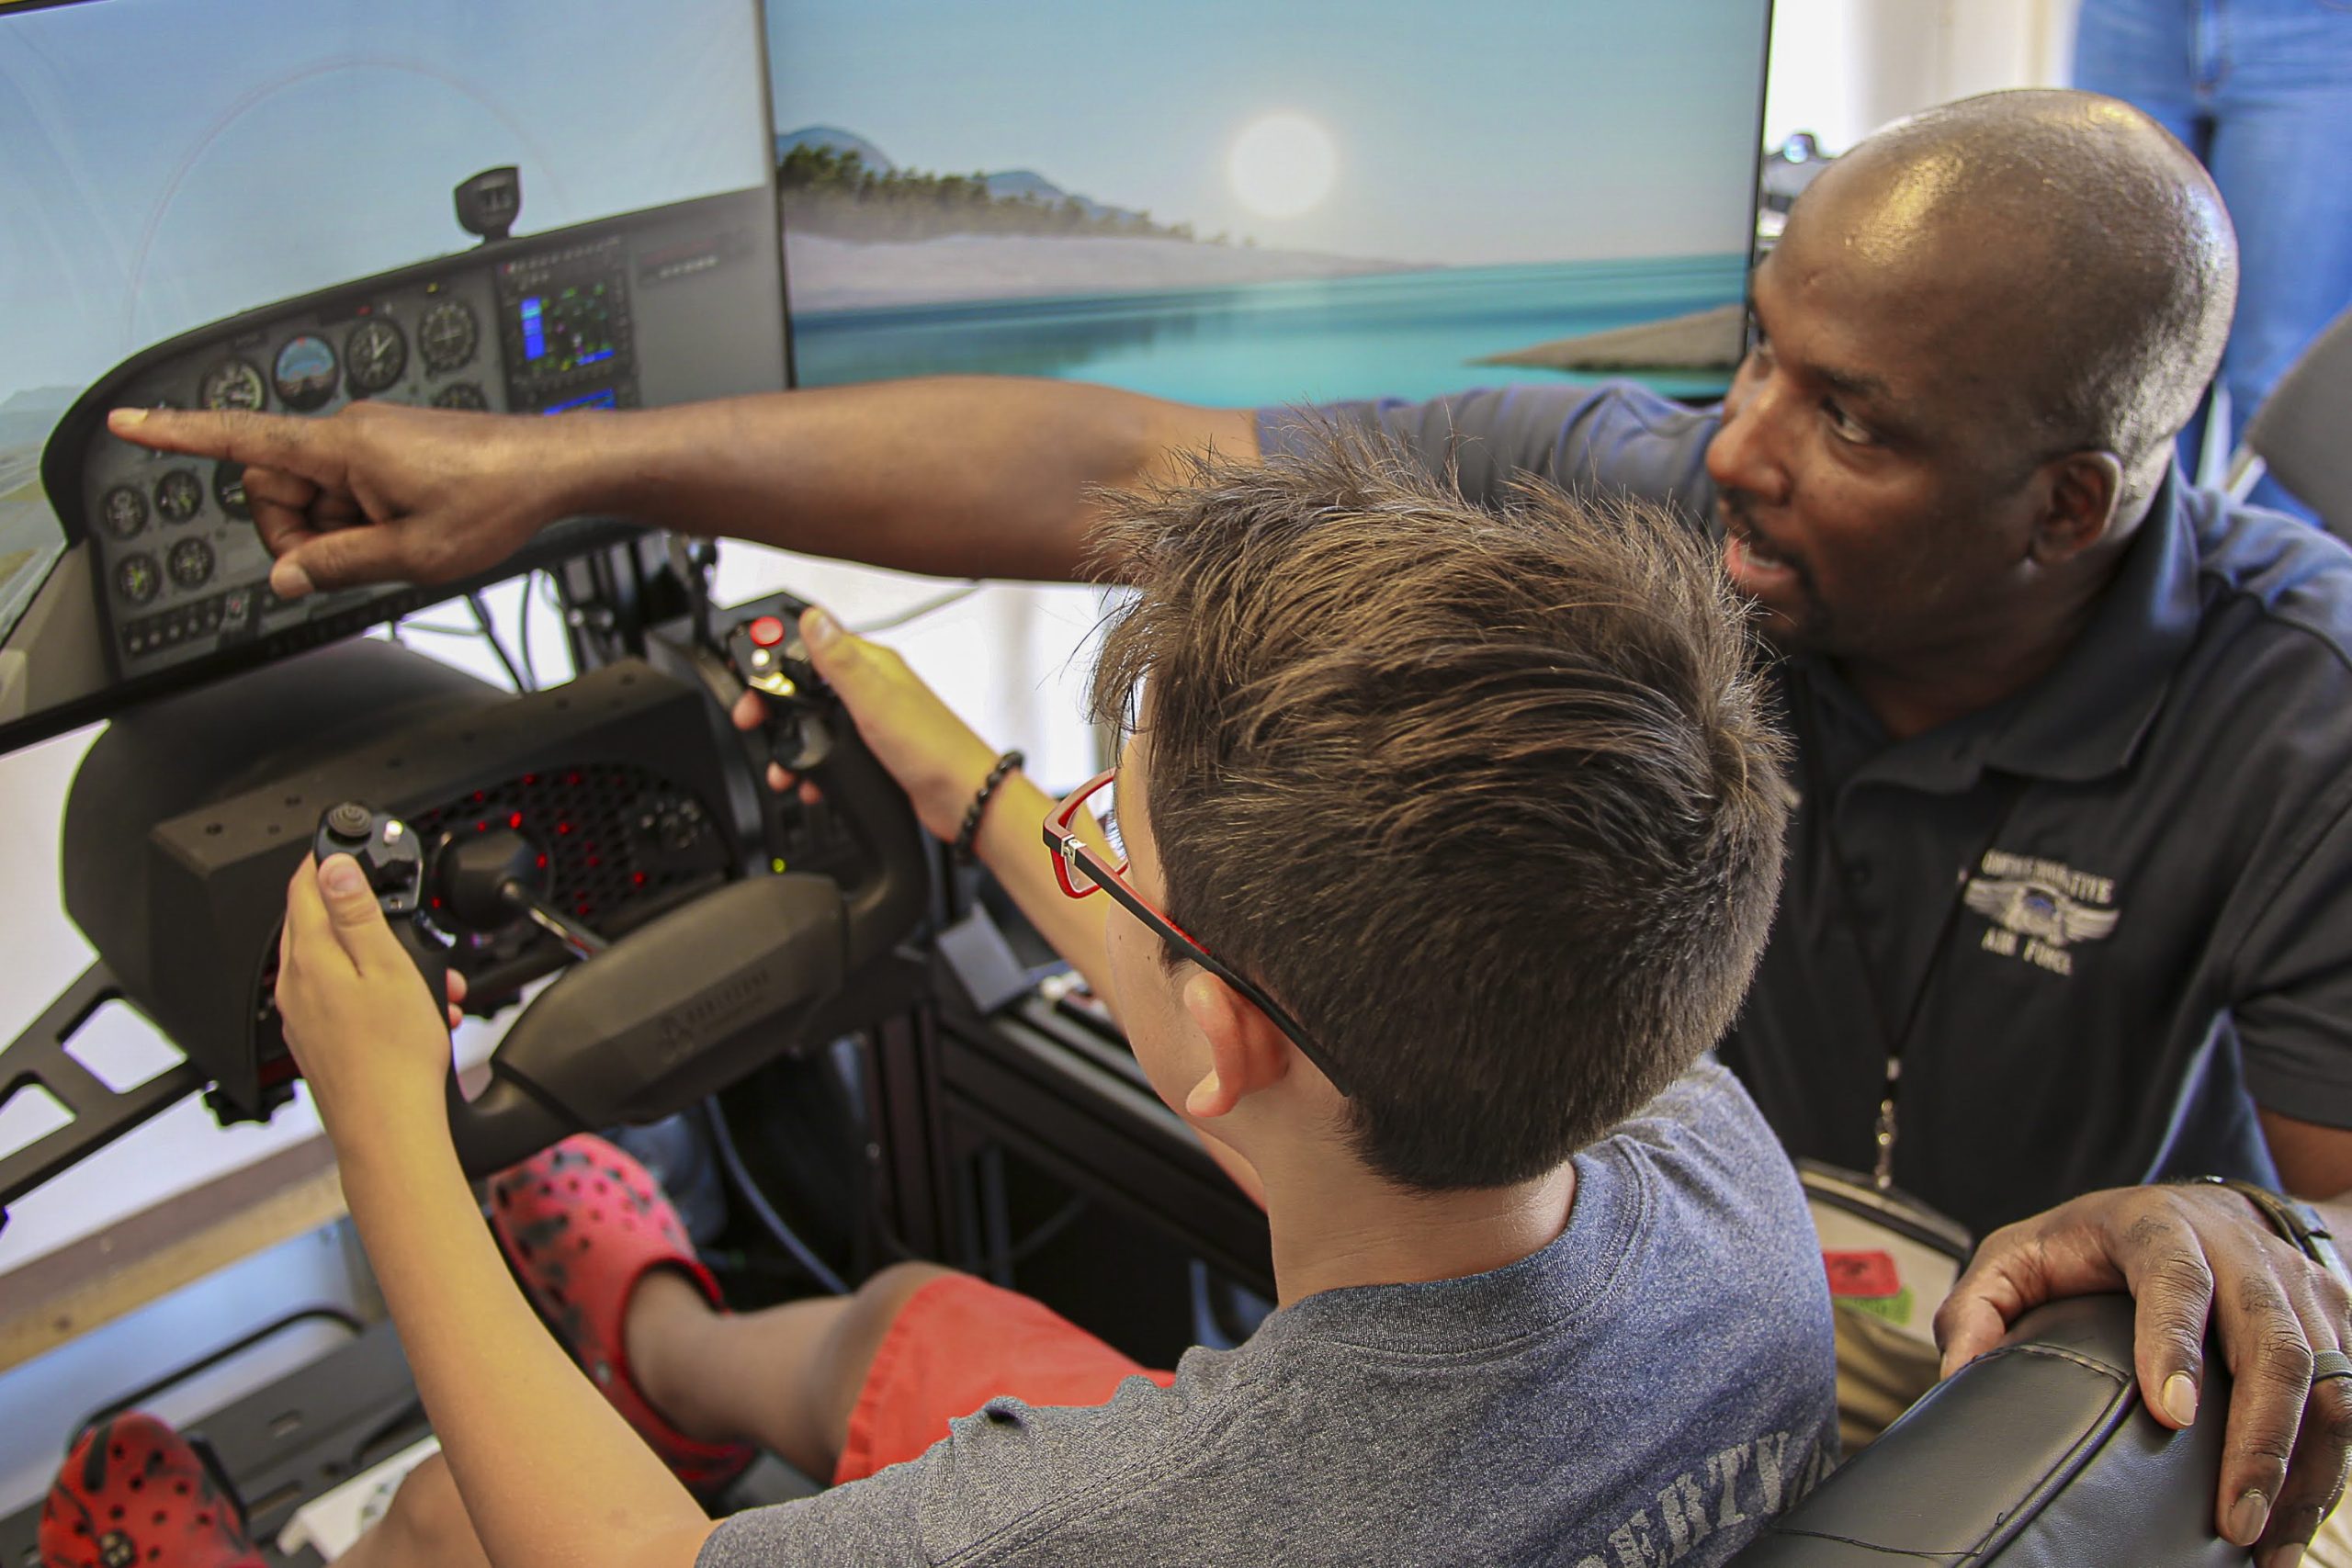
(2300, 431)
(2039, 1455)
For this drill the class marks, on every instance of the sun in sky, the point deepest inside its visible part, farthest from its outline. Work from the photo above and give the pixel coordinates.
(1281, 164)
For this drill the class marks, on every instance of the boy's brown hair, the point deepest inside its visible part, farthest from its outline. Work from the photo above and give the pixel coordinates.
(1489, 800)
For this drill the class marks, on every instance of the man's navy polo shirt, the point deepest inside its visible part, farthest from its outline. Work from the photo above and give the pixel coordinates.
(2117, 906)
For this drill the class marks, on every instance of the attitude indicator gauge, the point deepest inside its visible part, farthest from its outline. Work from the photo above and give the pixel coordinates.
(304, 374)
(375, 354)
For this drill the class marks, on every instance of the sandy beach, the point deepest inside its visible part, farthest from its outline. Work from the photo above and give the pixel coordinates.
(839, 275)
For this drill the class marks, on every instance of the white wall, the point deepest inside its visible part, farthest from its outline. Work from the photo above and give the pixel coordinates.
(1842, 68)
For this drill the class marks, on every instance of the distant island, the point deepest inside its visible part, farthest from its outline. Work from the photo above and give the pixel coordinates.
(864, 233)
(837, 184)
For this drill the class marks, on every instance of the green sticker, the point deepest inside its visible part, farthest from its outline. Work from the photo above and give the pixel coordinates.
(1895, 1309)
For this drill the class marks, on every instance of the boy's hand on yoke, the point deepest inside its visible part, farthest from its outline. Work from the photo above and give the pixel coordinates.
(2188, 1253)
(358, 1016)
(935, 756)
(381, 492)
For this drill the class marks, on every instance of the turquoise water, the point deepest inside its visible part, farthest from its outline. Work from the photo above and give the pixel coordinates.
(1404, 334)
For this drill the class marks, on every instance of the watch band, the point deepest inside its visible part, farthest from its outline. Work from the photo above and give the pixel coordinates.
(2297, 1223)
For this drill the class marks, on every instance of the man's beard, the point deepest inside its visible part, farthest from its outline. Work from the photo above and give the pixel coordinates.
(1812, 628)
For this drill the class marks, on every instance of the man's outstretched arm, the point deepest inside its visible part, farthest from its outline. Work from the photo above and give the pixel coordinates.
(962, 477)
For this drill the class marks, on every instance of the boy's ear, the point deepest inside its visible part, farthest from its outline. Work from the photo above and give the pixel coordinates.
(1247, 1053)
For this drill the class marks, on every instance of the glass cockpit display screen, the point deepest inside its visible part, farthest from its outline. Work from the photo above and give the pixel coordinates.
(247, 204)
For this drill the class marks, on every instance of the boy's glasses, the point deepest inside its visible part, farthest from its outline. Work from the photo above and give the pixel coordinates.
(1084, 872)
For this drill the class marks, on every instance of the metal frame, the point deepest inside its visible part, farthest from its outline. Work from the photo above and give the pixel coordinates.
(38, 1060)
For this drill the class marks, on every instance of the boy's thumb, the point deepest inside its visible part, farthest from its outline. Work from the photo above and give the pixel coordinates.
(831, 650)
(351, 903)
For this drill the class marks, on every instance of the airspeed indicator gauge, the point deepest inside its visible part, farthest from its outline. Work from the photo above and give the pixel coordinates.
(232, 384)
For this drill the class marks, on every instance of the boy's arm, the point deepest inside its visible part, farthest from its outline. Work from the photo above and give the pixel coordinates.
(549, 1471)
(942, 764)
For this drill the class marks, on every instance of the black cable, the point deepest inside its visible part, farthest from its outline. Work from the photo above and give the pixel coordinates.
(489, 635)
(761, 1209)
(523, 634)
(1046, 1229)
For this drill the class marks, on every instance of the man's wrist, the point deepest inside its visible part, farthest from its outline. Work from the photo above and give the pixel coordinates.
(2293, 1222)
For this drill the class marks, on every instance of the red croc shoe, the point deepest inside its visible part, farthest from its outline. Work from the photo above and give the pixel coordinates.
(582, 1223)
(135, 1492)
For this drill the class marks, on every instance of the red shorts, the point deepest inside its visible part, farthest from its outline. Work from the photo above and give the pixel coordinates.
(956, 1344)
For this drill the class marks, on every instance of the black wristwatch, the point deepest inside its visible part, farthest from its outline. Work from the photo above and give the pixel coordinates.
(2297, 1223)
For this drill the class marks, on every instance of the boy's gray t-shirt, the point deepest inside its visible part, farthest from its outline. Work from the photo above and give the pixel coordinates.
(1648, 1389)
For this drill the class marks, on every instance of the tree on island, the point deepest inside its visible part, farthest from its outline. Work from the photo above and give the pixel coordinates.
(832, 191)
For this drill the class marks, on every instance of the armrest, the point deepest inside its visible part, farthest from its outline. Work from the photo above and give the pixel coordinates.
(2037, 1455)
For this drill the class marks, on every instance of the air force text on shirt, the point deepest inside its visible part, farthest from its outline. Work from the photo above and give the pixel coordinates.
(1745, 1482)
(2039, 908)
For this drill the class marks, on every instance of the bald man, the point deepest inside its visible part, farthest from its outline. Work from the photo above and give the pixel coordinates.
(2069, 909)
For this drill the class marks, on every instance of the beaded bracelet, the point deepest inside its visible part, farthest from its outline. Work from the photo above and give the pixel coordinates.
(970, 830)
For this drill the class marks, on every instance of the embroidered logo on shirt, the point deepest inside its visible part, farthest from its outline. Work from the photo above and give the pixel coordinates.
(2040, 908)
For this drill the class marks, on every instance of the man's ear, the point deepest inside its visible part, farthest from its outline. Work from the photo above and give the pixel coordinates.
(2084, 491)
(1247, 1053)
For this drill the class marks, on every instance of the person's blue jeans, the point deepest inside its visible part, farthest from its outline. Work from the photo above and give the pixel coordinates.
(2261, 90)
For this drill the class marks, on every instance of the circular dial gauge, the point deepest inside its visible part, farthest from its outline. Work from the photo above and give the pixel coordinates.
(461, 395)
(304, 374)
(448, 334)
(191, 563)
(136, 579)
(125, 510)
(232, 384)
(377, 354)
(179, 495)
(229, 489)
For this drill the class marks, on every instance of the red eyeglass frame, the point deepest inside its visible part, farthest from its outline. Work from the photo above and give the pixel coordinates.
(1083, 871)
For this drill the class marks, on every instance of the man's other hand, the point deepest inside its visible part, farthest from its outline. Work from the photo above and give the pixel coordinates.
(2188, 1254)
(935, 756)
(381, 492)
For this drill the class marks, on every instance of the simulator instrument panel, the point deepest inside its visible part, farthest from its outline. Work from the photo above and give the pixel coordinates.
(649, 307)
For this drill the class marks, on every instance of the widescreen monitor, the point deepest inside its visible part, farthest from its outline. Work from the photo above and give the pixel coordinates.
(249, 204)
(1241, 204)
